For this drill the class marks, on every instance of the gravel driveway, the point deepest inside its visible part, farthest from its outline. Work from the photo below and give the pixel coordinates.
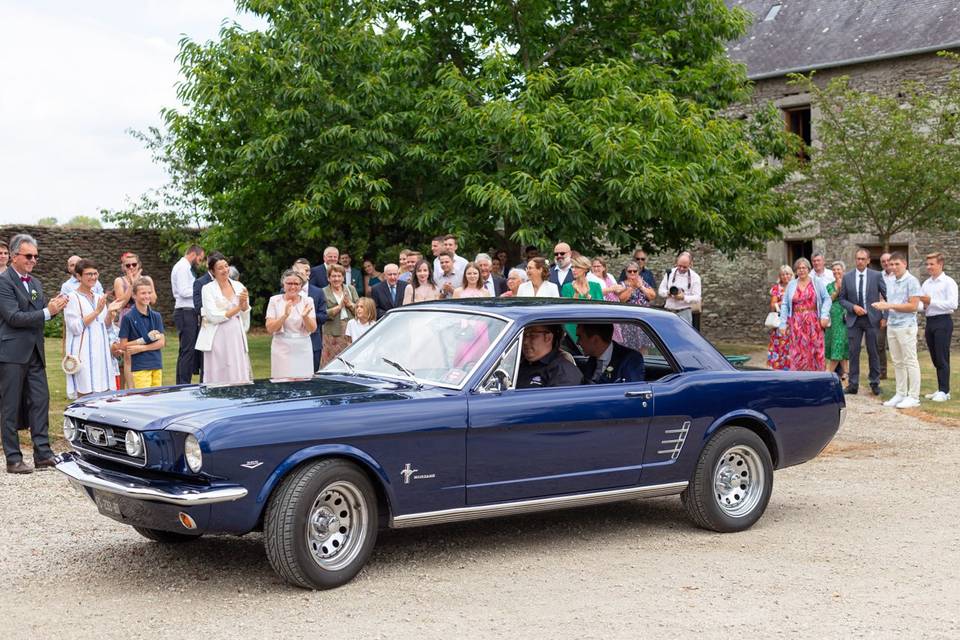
(862, 542)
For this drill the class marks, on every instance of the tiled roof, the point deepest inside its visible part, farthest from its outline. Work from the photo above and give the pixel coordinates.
(811, 34)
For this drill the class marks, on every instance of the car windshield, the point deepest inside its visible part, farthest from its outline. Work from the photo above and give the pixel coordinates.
(433, 347)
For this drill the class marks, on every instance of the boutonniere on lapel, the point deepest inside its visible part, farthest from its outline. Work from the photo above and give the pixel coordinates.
(33, 295)
(607, 373)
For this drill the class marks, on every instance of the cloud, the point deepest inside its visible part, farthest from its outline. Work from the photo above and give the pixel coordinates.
(74, 82)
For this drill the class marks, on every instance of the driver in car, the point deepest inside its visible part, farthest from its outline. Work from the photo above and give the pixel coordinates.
(542, 364)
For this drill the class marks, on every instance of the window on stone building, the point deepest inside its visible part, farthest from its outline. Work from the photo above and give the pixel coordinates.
(876, 250)
(798, 122)
(797, 249)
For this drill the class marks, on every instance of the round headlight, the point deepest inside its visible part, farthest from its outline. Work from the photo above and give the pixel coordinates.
(134, 442)
(191, 451)
(69, 428)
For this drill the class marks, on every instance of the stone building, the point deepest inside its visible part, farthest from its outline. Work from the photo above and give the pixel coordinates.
(878, 44)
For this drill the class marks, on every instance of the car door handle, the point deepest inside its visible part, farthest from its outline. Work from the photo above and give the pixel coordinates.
(646, 395)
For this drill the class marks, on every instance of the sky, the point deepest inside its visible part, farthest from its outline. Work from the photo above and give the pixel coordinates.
(74, 77)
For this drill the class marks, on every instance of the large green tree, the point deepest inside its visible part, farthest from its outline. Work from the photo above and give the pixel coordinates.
(886, 163)
(378, 122)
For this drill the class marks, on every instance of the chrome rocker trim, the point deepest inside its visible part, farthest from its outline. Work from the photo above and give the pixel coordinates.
(67, 466)
(534, 505)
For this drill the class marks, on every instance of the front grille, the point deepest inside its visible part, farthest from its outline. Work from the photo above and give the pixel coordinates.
(107, 441)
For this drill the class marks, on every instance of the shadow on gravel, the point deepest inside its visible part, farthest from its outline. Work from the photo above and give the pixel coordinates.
(225, 564)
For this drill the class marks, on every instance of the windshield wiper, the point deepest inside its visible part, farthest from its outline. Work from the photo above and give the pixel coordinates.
(402, 369)
(353, 369)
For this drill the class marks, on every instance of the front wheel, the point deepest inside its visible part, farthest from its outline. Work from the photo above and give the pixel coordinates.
(321, 525)
(732, 482)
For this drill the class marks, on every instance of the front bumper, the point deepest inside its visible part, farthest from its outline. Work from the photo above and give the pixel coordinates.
(87, 476)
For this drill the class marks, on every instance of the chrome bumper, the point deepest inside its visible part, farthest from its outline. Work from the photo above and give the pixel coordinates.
(86, 476)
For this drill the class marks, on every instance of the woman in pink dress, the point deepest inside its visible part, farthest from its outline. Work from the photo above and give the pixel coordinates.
(223, 329)
(778, 351)
(806, 312)
(472, 285)
(291, 319)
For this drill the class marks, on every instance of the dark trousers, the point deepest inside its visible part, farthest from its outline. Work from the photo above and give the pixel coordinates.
(855, 335)
(316, 359)
(185, 320)
(27, 384)
(882, 350)
(938, 333)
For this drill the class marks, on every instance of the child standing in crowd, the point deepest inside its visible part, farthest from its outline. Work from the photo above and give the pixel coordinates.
(141, 337)
(366, 318)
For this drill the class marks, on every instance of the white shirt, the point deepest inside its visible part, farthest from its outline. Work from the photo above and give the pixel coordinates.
(489, 286)
(824, 278)
(562, 273)
(943, 295)
(459, 266)
(444, 279)
(546, 290)
(888, 279)
(181, 281)
(688, 282)
(73, 284)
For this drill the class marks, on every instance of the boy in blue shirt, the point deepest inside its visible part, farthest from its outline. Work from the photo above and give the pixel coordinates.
(141, 336)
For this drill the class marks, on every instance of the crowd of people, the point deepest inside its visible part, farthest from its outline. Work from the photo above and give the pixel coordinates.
(826, 316)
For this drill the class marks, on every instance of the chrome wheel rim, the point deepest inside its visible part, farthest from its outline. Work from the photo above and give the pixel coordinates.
(738, 481)
(337, 525)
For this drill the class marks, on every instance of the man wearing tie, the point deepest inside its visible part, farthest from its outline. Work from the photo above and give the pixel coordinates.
(389, 293)
(861, 287)
(23, 377)
(491, 282)
(608, 361)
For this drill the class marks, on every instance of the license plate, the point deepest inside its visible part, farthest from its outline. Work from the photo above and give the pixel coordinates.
(107, 505)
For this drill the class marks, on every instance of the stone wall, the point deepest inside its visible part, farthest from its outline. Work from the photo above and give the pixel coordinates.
(56, 244)
(736, 289)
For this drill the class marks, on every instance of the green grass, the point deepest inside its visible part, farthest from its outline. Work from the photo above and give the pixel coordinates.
(57, 381)
(928, 376)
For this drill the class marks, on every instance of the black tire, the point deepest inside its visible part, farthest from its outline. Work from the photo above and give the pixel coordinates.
(159, 535)
(321, 524)
(732, 482)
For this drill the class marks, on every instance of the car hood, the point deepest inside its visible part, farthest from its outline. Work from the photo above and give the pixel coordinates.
(198, 403)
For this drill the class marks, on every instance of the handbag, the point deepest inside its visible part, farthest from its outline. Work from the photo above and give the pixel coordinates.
(772, 320)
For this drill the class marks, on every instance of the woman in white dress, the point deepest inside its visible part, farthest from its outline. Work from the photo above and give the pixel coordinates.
(538, 285)
(223, 327)
(422, 287)
(87, 317)
(291, 318)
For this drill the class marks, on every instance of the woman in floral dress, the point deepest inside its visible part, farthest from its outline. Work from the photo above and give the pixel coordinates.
(778, 355)
(806, 311)
(836, 343)
(635, 291)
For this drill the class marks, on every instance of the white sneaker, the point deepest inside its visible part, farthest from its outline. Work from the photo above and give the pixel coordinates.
(909, 403)
(930, 396)
(894, 401)
(940, 396)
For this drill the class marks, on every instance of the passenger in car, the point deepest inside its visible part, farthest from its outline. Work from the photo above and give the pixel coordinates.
(609, 361)
(542, 364)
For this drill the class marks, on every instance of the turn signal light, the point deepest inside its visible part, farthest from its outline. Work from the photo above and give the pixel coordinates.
(186, 521)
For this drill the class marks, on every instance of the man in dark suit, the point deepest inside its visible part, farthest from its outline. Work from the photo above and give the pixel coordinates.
(318, 274)
(23, 377)
(491, 282)
(353, 274)
(561, 272)
(609, 361)
(302, 267)
(860, 288)
(389, 293)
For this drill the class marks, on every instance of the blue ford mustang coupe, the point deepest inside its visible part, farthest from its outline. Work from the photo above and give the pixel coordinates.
(430, 418)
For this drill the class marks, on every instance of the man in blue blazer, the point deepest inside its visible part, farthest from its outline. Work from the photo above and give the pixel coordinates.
(859, 289)
(318, 274)
(609, 361)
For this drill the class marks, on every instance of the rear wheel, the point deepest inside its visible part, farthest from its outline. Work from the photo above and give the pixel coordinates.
(321, 525)
(159, 535)
(732, 482)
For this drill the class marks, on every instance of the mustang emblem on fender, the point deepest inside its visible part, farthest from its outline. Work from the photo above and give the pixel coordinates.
(406, 472)
(251, 464)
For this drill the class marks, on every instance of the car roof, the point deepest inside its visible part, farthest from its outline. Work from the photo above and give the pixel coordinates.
(691, 350)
